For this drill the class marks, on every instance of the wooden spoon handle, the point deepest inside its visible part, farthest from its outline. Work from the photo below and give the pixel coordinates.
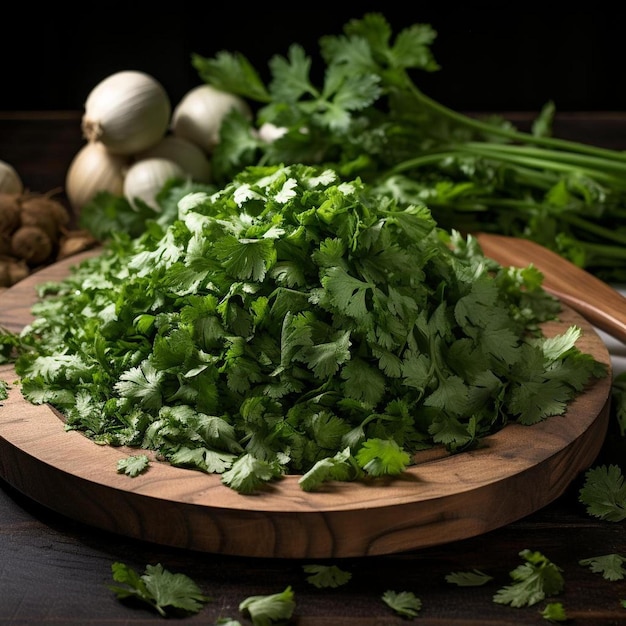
(594, 299)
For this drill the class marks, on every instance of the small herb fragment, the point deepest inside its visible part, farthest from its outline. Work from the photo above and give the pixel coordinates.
(611, 566)
(604, 493)
(270, 609)
(159, 588)
(322, 576)
(404, 603)
(473, 578)
(4, 390)
(554, 612)
(534, 580)
(133, 465)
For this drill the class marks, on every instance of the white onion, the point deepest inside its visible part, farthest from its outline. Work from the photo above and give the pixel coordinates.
(128, 112)
(10, 181)
(146, 178)
(199, 115)
(94, 169)
(187, 154)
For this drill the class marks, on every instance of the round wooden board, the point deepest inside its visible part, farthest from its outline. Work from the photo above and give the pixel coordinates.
(441, 499)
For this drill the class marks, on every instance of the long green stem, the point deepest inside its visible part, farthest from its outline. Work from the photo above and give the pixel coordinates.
(513, 135)
(583, 160)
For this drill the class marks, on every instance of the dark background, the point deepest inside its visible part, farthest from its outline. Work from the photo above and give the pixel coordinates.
(493, 55)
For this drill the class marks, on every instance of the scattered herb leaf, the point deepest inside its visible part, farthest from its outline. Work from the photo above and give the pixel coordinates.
(554, 612)
(611, 566)
(326, 575)
(473, 578)
(133, 465)
(159, 588)
(534, 580)
(403, 603)
(269, 609)
(604, 493)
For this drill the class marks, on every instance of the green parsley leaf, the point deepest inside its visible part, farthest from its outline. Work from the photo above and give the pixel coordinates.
(4, 389)
(322, 576)
(269, 609)
(534, 580)
(159, 588)
(611, 566)
(473, 578)
(379, 457)
(554, 612)
(404, 603)
(133, 465)
(604, 493)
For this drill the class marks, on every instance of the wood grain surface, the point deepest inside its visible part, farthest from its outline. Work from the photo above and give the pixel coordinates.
(442, 498)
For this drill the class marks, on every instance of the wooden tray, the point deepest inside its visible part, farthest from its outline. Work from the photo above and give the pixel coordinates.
(441, 499)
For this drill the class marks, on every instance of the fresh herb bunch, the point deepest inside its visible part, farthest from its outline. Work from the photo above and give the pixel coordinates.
(369, 118)
(295, 322)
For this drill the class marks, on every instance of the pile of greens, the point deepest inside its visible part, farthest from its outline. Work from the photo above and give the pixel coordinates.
(297, 322)
(369, 118)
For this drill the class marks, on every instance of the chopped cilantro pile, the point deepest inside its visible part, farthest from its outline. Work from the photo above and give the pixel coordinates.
(294, 322)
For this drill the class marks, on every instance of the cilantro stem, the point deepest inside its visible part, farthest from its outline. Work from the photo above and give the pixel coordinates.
(513, 135)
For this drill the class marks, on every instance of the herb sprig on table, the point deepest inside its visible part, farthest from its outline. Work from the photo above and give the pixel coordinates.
(296, 322)
(368, 117)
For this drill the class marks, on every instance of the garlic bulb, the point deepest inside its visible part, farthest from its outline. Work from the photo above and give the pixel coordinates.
(199, 115)
(94, 169)
(10, 181)
(188, 155)
(146, 178)
(127, 112)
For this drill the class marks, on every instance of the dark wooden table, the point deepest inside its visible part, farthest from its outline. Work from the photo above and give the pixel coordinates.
(54, 570)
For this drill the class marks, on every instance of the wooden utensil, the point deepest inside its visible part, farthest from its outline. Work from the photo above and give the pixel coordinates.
(594, 299)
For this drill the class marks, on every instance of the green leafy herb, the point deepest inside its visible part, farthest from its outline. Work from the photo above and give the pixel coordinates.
(611, 566)
(4, 390)
(604, 493)
(369, 118)
(326, 575)
(159, 588)
(269, 609)
(533, 581)
(133, 465)
(404, 603)
(554, 612)
(473, 578)
(618, 401)
(273, 328)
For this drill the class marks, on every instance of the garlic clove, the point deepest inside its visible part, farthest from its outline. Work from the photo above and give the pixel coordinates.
(187, 154)
(146, 178)
(128, 111)
(199, 115)
(92, 170)
(10, 181)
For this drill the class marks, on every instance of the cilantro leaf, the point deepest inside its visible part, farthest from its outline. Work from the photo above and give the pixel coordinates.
(473, 578)
(604, 493)
(4, 390)
(323, 576)
(554, 612)
(159, 588)
(404, 603)
(379, 457)
(269, 609)
(533, 581)
(611, 566)
(133, 465)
